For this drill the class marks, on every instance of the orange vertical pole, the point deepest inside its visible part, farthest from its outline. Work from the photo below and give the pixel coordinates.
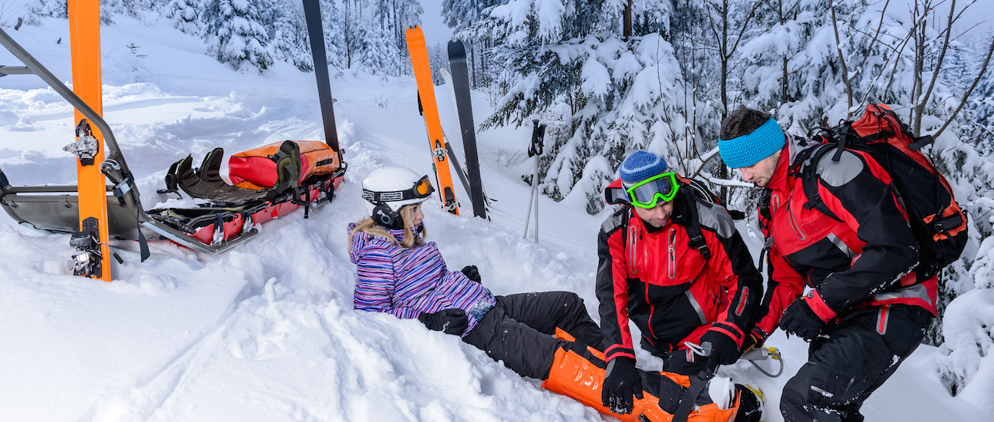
(84, 39)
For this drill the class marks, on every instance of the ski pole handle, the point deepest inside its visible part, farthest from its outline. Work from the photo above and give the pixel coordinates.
(538, 134)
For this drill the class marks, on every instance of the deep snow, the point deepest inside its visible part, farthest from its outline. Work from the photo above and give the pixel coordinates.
(266, 332)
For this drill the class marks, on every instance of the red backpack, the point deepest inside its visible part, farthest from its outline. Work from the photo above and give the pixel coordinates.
(938, 223)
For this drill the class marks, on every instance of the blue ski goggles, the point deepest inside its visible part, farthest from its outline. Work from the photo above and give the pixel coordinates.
(647, 193)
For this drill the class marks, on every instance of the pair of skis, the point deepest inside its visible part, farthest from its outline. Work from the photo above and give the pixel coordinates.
(426, 92)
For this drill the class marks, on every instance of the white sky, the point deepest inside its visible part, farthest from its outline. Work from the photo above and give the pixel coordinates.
(434, 29)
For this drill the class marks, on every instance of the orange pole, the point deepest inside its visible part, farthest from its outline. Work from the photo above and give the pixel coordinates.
(84, 41)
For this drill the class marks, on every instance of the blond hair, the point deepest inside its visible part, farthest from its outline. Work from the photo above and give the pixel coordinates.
(368, 226)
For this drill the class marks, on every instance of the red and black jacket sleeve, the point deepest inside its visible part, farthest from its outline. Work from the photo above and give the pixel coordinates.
(855, 190)
(734, 270)
(783, 286)
(612, 287)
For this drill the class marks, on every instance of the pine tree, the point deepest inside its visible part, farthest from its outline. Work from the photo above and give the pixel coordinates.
(236, 31)
(603, 96)
(185, 15)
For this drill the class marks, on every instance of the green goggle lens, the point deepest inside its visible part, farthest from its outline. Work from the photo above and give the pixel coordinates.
(647, 193)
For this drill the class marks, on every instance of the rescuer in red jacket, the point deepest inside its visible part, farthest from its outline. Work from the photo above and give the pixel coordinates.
(675, 265)
(867, 310)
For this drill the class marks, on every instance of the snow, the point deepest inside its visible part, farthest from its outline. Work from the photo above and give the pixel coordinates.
(266, 332)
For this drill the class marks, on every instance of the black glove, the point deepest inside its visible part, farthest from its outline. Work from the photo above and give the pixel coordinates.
(471, 273)
(800, 320)
(724, 351)
(448, 321)
(620, 383)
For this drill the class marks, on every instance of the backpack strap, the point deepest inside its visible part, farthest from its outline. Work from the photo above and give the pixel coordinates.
(288, 169)
(693, 226)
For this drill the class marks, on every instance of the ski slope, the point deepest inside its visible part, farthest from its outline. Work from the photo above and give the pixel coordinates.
(266, 332)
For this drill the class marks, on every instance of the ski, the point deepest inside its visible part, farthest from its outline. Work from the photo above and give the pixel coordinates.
(426, 93)
(464, 107)
(462, 170)
(93, 256)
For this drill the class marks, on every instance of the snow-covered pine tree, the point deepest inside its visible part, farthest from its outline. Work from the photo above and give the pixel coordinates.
(52, 8)
(289, 35)
(185, 15)
(236, 33)
(601, 95)
(393, 18)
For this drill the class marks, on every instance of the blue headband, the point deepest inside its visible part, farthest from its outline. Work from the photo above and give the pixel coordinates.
(752, 148)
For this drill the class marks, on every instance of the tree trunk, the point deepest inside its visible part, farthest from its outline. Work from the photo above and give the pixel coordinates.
(627, 31)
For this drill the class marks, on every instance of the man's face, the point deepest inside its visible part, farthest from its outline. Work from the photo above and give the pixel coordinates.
(761, 172)
(656, 216)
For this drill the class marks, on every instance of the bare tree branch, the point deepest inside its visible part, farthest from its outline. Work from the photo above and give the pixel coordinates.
(842, 59)
(872, 42)
(744, 26)
(920, 108)
(980, 76)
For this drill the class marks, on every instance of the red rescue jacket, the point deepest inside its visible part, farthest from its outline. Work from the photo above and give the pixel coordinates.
(667, 287)
(864, 257)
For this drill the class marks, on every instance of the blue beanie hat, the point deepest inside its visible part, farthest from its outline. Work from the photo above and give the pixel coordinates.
(641, 165)
(752, 148)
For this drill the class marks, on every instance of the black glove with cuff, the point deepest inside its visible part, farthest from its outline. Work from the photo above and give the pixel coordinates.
(724, 351)
(448, 321)
(799, 319)
(621, 382)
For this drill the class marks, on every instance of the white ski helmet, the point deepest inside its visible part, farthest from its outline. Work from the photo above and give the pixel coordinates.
(389, 189)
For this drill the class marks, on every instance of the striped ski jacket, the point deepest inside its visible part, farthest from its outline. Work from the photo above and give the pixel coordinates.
(407, 282)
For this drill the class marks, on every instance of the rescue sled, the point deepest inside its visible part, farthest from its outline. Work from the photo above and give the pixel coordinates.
(267, 182)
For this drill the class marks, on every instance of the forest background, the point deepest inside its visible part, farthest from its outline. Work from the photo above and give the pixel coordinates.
(613, 76)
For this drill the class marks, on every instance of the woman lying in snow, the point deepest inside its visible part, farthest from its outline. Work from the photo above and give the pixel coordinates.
(401, 274)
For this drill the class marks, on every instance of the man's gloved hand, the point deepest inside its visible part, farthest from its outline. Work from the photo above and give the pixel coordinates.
(620, 383)
(799, 319)
(471, 273)
(448, 321)
(724, 351)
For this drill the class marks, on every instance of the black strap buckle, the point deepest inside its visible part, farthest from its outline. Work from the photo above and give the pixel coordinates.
(701, 245)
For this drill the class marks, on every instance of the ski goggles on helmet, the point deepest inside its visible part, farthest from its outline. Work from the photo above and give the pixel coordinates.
(647, 193)
(422, 189)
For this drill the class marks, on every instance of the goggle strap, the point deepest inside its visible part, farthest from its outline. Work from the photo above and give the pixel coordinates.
(397, 195)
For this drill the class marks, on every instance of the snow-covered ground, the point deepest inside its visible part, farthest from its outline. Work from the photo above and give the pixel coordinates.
(266, 332)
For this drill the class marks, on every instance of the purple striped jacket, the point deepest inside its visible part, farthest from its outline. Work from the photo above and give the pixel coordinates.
(407, 282)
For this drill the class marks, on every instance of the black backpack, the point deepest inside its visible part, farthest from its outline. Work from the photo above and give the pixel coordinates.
(938, 223)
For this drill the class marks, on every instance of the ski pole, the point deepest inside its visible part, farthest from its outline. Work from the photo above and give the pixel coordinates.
(534, 150)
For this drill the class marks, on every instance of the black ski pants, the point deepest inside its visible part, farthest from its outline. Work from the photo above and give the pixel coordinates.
(520, 330)
(860, 352)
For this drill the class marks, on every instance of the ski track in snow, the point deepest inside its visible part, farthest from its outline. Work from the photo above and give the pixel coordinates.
(267, 332)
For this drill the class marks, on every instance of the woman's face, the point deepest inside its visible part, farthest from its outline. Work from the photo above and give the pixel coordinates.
(414, 216)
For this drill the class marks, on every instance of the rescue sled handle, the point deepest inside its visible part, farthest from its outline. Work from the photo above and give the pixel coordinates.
(32, 66)
(114, 165)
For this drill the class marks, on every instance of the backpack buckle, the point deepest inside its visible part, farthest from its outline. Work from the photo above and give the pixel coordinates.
(701, 245)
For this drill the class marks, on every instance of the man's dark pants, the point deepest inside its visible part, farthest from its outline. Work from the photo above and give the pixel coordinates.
(860, 352)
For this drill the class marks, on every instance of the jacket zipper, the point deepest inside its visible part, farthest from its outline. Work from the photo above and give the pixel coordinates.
(793, 223)
(672, 254)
